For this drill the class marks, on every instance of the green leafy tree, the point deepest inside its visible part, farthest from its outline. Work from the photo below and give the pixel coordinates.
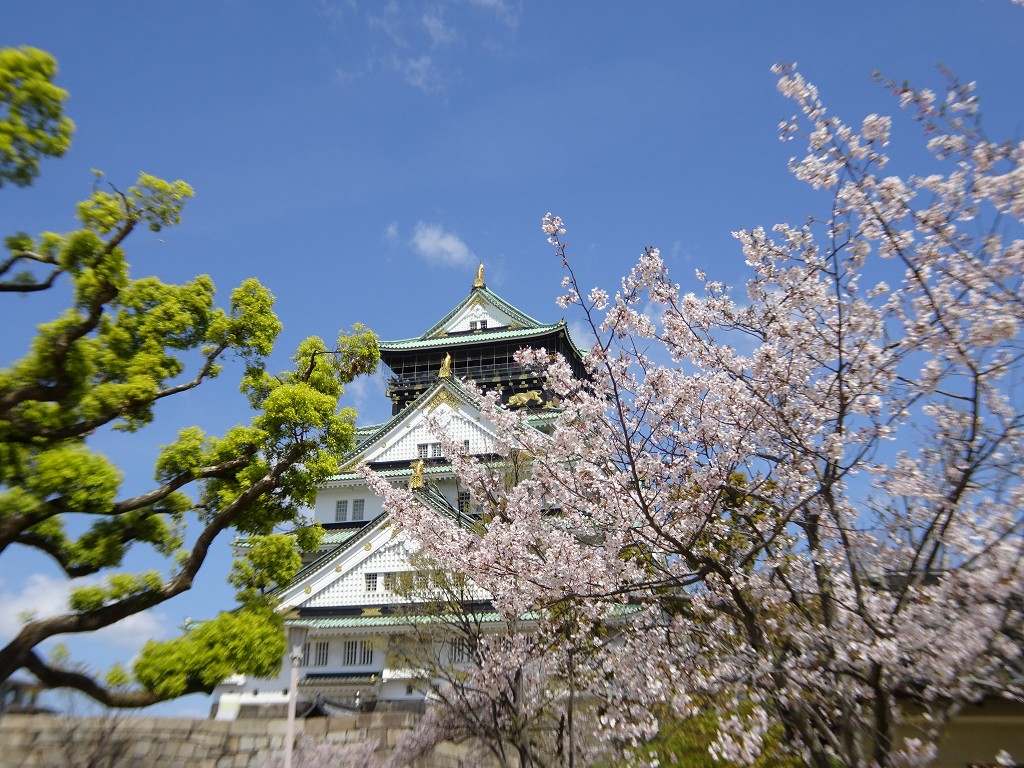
(122, 346)
(32, 121)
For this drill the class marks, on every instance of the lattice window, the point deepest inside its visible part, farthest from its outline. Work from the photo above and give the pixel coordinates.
(315, 654)
(435, 451)
(459, 651)
(464, 502)
(341, 511)
(371, 582)
(358, 507)
(358, 653)
(422, 450)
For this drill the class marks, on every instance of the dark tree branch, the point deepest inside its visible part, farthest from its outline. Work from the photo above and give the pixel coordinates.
(53, 677)
(14, 655)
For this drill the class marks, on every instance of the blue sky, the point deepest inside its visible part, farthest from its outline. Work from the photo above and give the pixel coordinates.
(361, 158)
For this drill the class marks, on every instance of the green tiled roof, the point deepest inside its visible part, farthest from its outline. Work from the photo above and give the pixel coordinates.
(436, 470)
(502, 334)
(374, 622)
(331, 538)
(339, 679)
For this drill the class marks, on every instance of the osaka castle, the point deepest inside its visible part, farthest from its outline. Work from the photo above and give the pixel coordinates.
(348, 597)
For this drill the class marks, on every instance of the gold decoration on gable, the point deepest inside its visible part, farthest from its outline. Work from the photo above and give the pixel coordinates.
(371, 611)
(441, 397)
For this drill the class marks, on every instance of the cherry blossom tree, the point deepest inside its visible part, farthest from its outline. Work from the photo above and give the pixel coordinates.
(801, 502)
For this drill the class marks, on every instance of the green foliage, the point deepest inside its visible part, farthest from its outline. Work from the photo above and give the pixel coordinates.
(118, 677)
(32, 121)
(685, 742)
(121, 346)
(308, 537)
(250, 642)
(118, 586)
(268, 562)
(152, 201)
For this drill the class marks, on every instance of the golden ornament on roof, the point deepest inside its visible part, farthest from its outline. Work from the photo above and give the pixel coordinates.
(479, 282)
(416, 481)
(446, 366)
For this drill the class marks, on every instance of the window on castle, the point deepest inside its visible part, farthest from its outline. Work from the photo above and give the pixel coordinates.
(371, 582)
(435, 451)
(389, 582)
(465, 447)
(315, 654)
(464, 502)
(357, 653)
(341, 511)
(483, 325)
(472, 325)
(358, 506)
(459, 651)
(422, 450)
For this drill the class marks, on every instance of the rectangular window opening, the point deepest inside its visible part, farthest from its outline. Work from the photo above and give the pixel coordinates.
(459, 651)
(357, 653)
(341, 511)
(371, 582)
(358, 506)
(315, 654)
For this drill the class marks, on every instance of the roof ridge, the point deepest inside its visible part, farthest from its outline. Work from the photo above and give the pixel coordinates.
(515, 313)
(451, 382)
(314, 565)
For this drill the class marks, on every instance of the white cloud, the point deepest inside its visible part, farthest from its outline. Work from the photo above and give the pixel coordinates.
(402, 37)
(389, 21)
(419, 72)
(337, 13)
(506, 12)
(40, 596)
(581, 333)
(391, 235)
(364, 390)
(440, 32)
(442, 248)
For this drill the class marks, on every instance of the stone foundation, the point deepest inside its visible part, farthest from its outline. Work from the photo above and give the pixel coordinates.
(119, 741)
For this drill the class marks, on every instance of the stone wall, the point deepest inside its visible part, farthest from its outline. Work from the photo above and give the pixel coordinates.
(37, 741)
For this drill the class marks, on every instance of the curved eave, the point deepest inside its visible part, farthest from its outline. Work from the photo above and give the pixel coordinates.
(379, 622)
(437, 471)
(473, 338)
